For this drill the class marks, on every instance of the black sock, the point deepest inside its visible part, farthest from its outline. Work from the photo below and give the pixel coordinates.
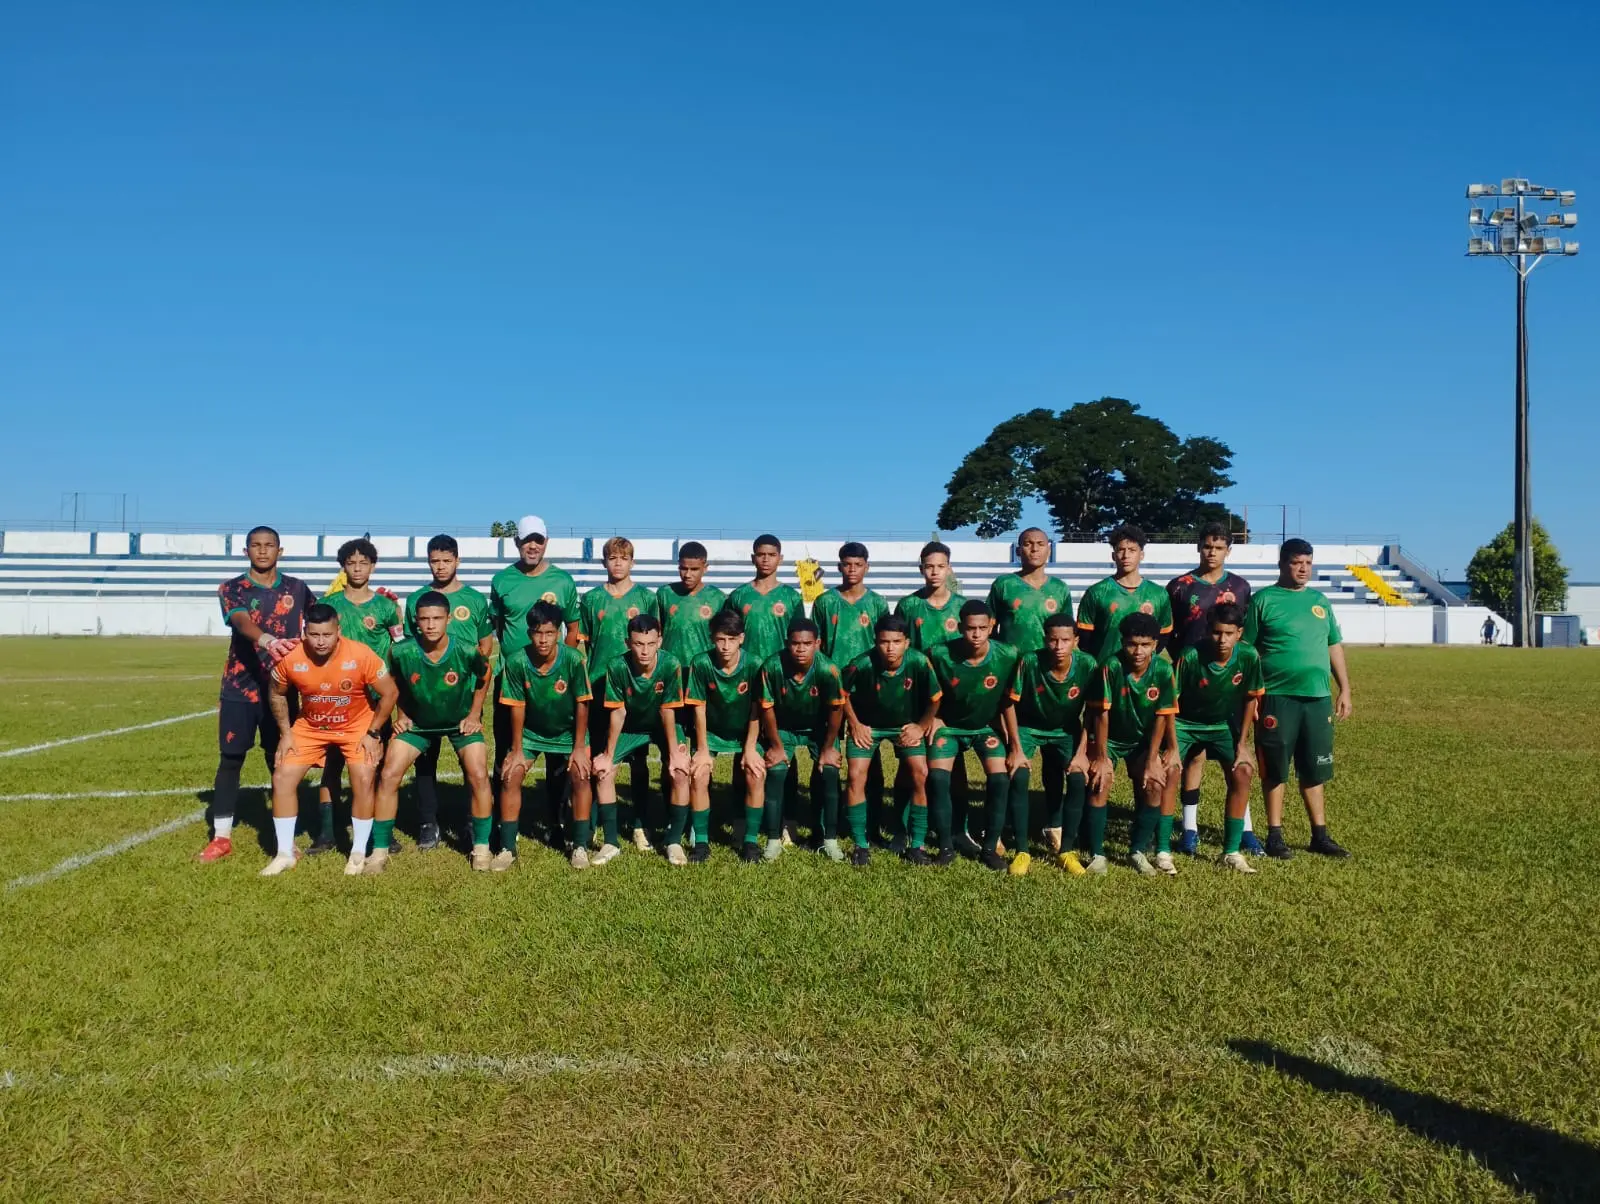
(1319, 832)
(225, 791)
(1274, 831)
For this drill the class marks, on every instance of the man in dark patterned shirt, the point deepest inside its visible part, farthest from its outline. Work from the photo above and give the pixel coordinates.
(264, 608)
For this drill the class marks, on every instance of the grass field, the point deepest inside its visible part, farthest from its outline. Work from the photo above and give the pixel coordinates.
(1416, 1023)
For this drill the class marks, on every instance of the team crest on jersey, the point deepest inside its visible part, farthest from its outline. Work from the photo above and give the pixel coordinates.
(370, 623)
(547, 596)
(461, 614)
(1147, 608)
(1270, 722)
(705, 610)
(744, 687)
(1050, 605)
(1319, 612)
(1072, 693)
(1226, 596)
(1238, 679)
(905, 683)
(285, 605)
(990, 682)
(661, 687)
(779, 610)
(633, 612)
(950, 624)
(814, 691)
(346, 684)
(1153, 693)
(451, 678)
(561, 685)
(865, 620)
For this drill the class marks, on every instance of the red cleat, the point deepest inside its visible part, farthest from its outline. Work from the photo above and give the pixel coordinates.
(219, 848)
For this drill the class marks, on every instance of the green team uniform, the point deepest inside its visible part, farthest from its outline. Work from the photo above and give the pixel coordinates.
(1105, 604)
(972, 697)
(512, 594)
(1292, 630)
(766, 616)
(931, 625)
(368, 622)
(847, 627)
(549, 698)
(436, 695)
(603, 622)
(1135, 704)
(802, 703)
(730, 699)
(887, 699)
(686, 618)
(640, 696)
(469, 615)
(1211, 699)
(1020, 610)
(1050, 711)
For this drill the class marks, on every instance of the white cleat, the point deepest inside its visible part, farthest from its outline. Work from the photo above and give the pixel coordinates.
(1237, 862)
(788, 837)
(357, 863)
(281, 863)
(606, 853)
(676, 855)
(641, 841)
(1165, 864)
(832, 851)
(503, 860)
(772, 851)
(580, 858)
(377, 863)
(1098, 865)
(481, 857)
(1142, 863)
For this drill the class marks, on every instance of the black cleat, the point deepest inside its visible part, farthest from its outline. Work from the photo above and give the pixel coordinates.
(749, 854)
(1278, 847)
(427, 837)
(861, 857)
(897, 846)
(1326, 846)
(945, 857)
(994, 861)
(917, 857)
(701, 853)
(322, 844)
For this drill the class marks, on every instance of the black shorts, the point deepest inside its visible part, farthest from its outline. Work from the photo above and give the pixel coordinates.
(238, 721)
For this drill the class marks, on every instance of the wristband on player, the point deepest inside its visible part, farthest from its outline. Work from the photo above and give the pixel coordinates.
(264, 641)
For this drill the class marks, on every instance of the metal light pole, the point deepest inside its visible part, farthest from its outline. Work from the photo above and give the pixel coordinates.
(1512, 233)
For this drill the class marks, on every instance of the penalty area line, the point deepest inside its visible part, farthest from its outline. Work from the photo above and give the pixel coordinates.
(78, 860)
(115, 731)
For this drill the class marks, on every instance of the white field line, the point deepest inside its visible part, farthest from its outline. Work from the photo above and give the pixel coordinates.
(78, 860)
(91, 679)
(76, 795)
(115, 731)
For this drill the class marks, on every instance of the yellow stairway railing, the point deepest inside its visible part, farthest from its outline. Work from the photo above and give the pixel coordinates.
(1386, 592)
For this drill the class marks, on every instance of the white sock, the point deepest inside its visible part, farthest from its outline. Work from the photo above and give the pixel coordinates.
(1247, 826)
(1191, 817)
(361, 832)
(284, 827)
(224, 827)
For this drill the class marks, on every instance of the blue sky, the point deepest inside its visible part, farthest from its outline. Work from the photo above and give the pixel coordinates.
(632, 264)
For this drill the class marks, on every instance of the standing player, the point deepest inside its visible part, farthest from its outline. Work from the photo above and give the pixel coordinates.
(1053, 688)
(331, 675)
(1219, 687)
(470, 624)
(724, 688)
(1111, 599)
(545, 688)
(685, 607)
(802, 702)
(845, 618)
(263, 607)
(975, 677)
(766, 604)
(933, 613)
(1293, 629)
(1135, 699)
(1023, 600)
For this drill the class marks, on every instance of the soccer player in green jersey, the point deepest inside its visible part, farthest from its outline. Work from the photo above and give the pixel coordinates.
(686, 606)
(975, 676)
(892, 694)
(442, 681)
(545, 687)
(845, 617)
(1023, 600)
(643, 692)
(1111, 599)
(469, 624)
(1219, 685)
(724, 688)
(802, 706)
(1052, 690)
(1293, 629)
(933, 612)
(1135, 700)
(767, 604)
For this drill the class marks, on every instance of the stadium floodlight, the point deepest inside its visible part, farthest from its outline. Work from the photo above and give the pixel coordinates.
(1510, 233)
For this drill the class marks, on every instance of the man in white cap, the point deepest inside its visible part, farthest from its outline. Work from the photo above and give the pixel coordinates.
(530, 578)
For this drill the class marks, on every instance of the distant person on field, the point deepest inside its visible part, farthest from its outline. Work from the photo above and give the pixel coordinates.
(1488, 629)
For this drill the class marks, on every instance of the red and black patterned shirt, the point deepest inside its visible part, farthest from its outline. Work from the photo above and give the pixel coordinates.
(278, 609)
(1192, 596)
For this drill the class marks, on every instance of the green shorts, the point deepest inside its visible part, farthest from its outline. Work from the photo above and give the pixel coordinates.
(422, 739)
(1298, 729)
(1218, 741)
(1061, 743)
(879, 735)
(950, 742)
(721, 746)
(533, 745)
(1126, 750)
(794, 741)
(629, 743)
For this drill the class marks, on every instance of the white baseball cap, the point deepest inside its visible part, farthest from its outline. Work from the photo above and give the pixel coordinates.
(530, 524)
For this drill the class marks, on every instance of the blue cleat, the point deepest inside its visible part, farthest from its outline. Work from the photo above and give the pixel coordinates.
(1249, 843)
(1189, 843)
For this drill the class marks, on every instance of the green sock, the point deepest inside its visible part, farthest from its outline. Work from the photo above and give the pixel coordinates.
(702, 826)
(582, 832)
(677, 820)
(481, 827)
(1144, 827)
(996, 794)
(752, 823)
(916, 826)
(1164, 833)
(325, 810)
(1018, 805)
(383, 833)
(1096, 818)
(508, 834)
(772, 811)
(828, 788)
(608, 822)
(1232, 834)
(856, 817)
(899, 817)
(1071, 821)
(938, 810)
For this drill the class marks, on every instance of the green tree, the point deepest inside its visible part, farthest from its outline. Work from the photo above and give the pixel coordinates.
(505, 530)
(1489, 576)
(1094, 466)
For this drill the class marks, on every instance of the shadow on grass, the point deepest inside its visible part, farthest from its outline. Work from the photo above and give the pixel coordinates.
(1529, 1158)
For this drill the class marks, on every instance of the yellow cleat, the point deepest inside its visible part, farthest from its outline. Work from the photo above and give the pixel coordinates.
(1019, 865)
(1069, 862)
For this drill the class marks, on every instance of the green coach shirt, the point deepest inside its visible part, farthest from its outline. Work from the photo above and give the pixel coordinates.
(847, 627)
(1105, 604)
(1020, 609)
(1292, 630)
(512, 594)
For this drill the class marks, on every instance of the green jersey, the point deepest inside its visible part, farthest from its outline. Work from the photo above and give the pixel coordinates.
(931, 625)
(1047, 703)
(885, 698)
(730, 699)
(603, 620)
(766, 616)
(1105, 604)
(1293, 629)
(1209, 693)
(802, 702)
(686, 618)
(1020, 609)
(973, 694)
(375, 622)
(436, 695)
(847, 627)
(549, 698)
(642, 695)
(1135, 702)
(469, 615)
(512, 594)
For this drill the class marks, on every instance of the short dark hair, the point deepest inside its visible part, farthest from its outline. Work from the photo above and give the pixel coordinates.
(254, 531)
(727, 622)
(321, 612)
(1216, 531)
(1290, 548)
(693, 550)
(431, 597)
(1225, 612)
(890, 622)
(643, 624)
(761, 541)
(1058, 620)
(1030, 531)
(1125, 533)
(1140, 624)
(357, 547)
(853, 551)
(933, 548)
(543, 612)
(974, 607)
(802, 626)
(444, 543)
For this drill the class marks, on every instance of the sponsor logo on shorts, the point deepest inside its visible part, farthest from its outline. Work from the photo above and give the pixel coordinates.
(1319, 612)
(705, 610)
(1270, 722)
(779, 610)
(1153, 693)
(1238, 679)
(461, 614)
(451, 678)
(1050, 606)
(370, 623)
(1324, 758)
(990, 682)
(561, 685)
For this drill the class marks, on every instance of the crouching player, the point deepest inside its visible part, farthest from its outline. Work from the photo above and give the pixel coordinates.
(724, 688)
(1219, 689)
(545, 689)
(1052, 689)
(802, 706)
(331, 674)
(1136, 700)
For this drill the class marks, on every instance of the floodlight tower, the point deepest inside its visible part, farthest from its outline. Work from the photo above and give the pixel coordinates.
(1512, 232)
